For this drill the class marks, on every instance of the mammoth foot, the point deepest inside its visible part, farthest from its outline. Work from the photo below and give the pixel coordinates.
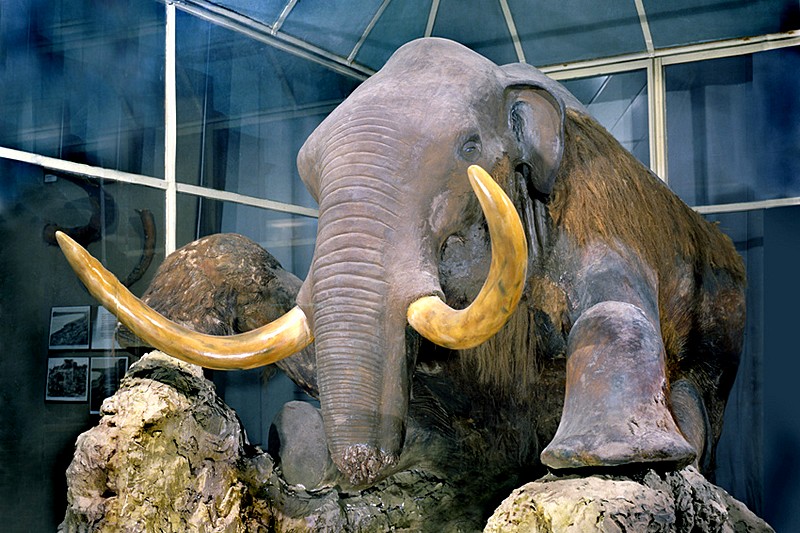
(297, 438)
(615, 409)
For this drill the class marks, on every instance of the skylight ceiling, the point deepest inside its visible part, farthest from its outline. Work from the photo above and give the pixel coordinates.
(362, 34)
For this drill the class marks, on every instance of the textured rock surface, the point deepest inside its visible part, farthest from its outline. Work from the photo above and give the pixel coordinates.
(678, 502)
(169, 455)
(166, 453)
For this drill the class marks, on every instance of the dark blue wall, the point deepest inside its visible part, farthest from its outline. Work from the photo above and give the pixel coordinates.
(782, 368)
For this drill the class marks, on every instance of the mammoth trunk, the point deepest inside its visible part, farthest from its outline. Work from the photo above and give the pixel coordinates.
(359, 329)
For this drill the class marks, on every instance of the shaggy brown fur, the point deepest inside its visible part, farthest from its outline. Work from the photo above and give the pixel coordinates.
(599, 177)
(603, 193)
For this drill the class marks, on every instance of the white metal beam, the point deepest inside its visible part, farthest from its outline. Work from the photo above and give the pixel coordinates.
(679, 54)
(228, 196)
(367, 30)
(80, 169)
(170, 135)
(648, 37)
(263, 33)
(657, 118)
(747, 206)
(431, 18)
(282, 16)
(512, 29)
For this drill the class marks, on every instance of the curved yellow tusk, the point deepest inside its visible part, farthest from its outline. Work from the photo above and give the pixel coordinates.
(500, 294)
(265, 345)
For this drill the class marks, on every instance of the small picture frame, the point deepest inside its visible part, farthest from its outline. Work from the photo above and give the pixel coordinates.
(69, 327)
(67, 379)
(106, 374)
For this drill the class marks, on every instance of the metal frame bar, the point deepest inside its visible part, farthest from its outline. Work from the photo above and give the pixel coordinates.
(560, 73)
(170, 135)
(282, 16)
(352, 56)
(648, 37)
(228, 196)
(747, 206)
(432, 18)
(264, 33)
(81, 169)
(512, 29)
(683, 54)
(657, 118)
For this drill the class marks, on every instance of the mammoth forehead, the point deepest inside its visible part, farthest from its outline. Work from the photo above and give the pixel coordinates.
(429, 97)
(427, 87)
(445, 73)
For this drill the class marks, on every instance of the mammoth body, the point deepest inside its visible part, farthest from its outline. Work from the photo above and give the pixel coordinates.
(626, 339)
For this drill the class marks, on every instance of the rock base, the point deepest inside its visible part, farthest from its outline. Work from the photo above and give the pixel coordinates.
(676, 502)
(168, 455)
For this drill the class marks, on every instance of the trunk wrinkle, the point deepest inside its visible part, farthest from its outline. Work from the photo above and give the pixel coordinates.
(342, 208)
(366, 124)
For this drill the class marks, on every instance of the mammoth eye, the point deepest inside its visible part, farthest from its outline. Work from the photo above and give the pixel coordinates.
(470, 151)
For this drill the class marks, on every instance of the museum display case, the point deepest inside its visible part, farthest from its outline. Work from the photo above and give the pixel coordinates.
(139, 127)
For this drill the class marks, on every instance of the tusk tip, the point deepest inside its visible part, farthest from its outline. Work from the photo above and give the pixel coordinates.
(476, 172)
(63, 239)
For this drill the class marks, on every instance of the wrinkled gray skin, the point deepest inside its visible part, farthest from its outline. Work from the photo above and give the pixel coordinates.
(389, 170)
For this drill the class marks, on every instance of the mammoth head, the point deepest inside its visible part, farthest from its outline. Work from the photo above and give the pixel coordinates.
(390, 171)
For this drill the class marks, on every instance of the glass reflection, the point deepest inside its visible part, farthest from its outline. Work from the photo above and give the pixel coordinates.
(288, 237)
(121, 224)
(619, 103)
(732, 128)
(256, 395)
(244, 110)
(84, 84)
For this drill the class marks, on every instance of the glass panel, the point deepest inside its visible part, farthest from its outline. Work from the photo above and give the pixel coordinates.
(477, 24)
(400, 23)
(755, 456)
(34, 278)
(288, 237)
(244, 110)
(732, 128)
(335, 27)
(592, 29)
(781, 428)
(618, 102)
(84, 84)
(681, 22)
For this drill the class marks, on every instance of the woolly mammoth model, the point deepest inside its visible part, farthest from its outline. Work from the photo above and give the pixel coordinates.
(606, 317)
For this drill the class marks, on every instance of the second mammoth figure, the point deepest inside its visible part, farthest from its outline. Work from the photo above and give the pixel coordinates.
(626, 338)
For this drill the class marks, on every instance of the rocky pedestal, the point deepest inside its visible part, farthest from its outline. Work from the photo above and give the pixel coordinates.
(168, 455)
(677, 502)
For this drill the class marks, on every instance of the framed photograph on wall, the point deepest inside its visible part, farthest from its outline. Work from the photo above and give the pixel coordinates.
(67, 379)
(106, 374)
(69, 327)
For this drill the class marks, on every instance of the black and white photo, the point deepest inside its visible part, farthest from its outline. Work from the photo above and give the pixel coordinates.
(69, 327)
(67, 379)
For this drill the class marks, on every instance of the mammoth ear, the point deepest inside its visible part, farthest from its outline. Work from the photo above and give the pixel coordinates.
(536, 120)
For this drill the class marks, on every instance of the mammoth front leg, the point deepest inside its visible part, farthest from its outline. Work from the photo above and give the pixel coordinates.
(616, 408)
